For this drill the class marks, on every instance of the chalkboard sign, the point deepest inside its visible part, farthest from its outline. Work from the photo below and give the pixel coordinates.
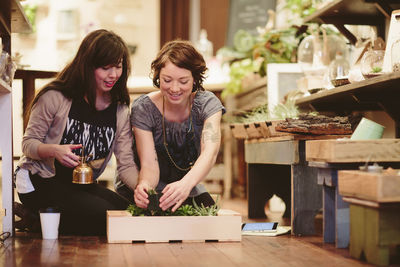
(247, 15)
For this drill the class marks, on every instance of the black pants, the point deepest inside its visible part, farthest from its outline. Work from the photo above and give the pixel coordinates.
(83, 207)
(204, 198)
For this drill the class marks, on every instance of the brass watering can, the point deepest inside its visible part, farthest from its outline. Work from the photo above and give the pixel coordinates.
(83, 173)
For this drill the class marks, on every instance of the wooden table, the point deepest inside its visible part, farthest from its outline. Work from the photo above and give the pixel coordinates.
(278, 166)
(28, 86)
(331, 156)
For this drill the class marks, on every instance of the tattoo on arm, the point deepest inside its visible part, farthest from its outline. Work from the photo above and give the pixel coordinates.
(210, 134)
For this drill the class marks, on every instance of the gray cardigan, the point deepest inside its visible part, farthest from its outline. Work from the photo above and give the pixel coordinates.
(46, 125)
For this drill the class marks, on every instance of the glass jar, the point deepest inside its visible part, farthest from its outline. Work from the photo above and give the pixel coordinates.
(339, 70)
(396, 56)
(316, 52)
(372, 63)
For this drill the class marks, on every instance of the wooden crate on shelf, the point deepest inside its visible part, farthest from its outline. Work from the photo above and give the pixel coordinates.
(122, 227)
(254, 130)
(346, 150)
(378, 187)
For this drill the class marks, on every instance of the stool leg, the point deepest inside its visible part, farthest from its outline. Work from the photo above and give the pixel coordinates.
(357, 231)
(329, 214)
(342, 221)
(375, 252)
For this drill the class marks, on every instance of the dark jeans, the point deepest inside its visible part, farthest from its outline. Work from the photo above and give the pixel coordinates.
(83, 207)
(204, 198)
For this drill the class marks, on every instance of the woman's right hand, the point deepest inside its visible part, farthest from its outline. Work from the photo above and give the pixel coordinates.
(141, 196)
(63, 153)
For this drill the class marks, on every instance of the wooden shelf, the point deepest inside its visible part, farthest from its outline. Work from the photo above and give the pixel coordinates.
(12, 19)
(355, 12)
(4, 87)
(19, 21)
(363, 95)
(377, 93)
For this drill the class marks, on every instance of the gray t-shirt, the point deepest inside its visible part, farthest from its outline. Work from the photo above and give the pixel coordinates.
(183, 138)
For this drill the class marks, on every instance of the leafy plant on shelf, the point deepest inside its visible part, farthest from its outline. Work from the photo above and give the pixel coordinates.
(30, 11)
(302, 8)
(376, 69)
(281, 111)
(250, 54)
(153, 208)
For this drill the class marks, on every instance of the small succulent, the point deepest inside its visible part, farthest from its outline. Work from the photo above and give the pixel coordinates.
(376, 69)
(135, 210)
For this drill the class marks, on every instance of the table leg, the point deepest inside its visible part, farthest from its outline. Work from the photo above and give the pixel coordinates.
(306, 199)
(329, 228)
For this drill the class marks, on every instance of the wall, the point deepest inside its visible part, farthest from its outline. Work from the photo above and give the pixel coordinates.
(60, 27)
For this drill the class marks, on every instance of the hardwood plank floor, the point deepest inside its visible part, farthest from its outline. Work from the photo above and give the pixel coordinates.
(27, 249)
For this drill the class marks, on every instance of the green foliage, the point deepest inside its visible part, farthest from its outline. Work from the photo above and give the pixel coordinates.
(276, 46)
(302, 8)
(260, 113)
(286, 110)
(281, 111)
(376, 69)
(184, 210)
(239, 69)
(205, 211)
(30, 12)
(243, 41)
(135, 210)
(251, 54)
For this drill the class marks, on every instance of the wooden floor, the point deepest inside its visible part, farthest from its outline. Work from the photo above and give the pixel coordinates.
(30, 250)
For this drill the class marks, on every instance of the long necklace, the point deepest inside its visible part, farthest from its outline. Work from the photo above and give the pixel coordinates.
(165, 139)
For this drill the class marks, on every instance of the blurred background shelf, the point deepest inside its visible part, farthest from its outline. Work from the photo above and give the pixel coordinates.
(355, 12)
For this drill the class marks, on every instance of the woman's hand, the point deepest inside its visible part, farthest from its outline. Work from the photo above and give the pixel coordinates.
(63, 153)
(141, 196)
(174, 194)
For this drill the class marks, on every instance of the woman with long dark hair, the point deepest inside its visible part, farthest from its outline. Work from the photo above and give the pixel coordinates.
(86, 106)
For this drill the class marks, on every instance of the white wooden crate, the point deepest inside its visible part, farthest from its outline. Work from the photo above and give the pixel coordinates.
(122, 227)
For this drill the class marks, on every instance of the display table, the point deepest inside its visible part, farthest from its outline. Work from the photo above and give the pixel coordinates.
(279, 167)
(331, 156)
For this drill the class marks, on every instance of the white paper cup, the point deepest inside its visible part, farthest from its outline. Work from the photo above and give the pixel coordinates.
(49, 220)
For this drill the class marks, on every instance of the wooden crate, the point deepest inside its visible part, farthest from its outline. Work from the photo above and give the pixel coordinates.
(239, 131)
(378, 187)
(345, 150)
(255, 130)
(122, 227)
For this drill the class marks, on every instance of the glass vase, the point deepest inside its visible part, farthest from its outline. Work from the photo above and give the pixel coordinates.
(396, 56)
(372, 63)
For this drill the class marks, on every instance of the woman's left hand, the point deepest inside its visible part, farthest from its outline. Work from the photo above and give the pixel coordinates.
(174, 194)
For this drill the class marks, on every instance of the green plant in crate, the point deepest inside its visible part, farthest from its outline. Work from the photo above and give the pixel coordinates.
(153, 208)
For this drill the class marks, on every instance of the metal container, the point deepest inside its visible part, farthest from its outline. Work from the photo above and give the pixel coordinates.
(83, 173)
